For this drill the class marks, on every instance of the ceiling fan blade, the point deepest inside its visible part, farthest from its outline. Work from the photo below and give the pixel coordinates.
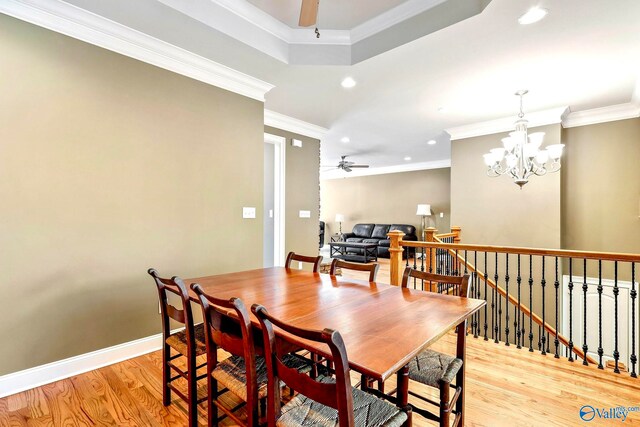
(358, 166)
(346, 169)
(308, 13)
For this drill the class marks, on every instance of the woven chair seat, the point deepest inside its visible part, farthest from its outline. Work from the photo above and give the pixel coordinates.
(430, 367)
(178, 341)
(232, 373)
(368, 411)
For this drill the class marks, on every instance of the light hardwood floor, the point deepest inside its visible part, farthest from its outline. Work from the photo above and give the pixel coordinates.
(505, 387)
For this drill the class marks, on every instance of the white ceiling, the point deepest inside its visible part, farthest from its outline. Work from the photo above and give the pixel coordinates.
(584, 55)
(332, 14)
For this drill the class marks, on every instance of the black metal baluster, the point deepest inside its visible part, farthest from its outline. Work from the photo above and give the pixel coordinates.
(633, 358)
(422, 261)
(430, 260)
(600, 288)
(486, 277)
(616, 291)
(585, 348)
(506, 301)
(415, 267)
(456, 264)
(476, 330)
(543, 283)
(517, 325)
(556, 284)
(570, 309)
(530, 303)
(496, 327)
(548, 343)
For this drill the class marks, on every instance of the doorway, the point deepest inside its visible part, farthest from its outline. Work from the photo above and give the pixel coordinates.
(273, 213)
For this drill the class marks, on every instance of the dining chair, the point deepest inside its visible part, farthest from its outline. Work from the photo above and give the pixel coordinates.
(188, 343)
(244, 374)
(372, 268)
(433, 368)
(292, 256)
(325, 400)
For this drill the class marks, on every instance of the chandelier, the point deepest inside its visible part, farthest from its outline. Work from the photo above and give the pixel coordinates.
(521, 155)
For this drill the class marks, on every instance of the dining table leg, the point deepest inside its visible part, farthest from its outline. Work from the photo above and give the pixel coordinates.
(461, 354)
(403, 393)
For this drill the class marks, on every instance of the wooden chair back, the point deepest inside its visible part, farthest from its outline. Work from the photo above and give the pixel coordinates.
(292, 256)
(372, 268)
(227, 325)
(453, 285)
(183, 315)
(336, 394)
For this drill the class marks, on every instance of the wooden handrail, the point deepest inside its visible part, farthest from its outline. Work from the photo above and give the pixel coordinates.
(445, 235)
(523, 308)
(563, 253)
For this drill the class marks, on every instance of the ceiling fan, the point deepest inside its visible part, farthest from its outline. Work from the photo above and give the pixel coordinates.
(309, 14)
(346, 165)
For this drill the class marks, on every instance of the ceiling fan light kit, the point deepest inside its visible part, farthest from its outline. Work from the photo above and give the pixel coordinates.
(521, 155)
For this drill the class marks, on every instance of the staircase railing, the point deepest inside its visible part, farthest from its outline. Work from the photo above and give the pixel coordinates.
(589, 313)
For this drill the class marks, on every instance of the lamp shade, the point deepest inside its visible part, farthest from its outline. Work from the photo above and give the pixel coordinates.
(424, 210)
(339, 218)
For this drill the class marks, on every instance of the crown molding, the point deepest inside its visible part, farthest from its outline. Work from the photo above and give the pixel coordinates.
(538, 118)
(80, 24)
(291, 124)
(611, 113)
(391, 17)
(410, 167)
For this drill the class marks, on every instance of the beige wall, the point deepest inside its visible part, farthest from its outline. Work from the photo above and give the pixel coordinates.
(601, 187)
(386, 199)
(109, 166)
(301, 192)
(495, 210)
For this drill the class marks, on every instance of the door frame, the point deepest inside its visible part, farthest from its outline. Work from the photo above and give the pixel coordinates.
(279, 163)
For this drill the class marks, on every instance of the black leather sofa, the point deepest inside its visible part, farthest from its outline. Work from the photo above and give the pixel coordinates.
(377, 233)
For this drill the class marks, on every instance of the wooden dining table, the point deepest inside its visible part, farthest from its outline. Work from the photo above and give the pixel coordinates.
(383, 326)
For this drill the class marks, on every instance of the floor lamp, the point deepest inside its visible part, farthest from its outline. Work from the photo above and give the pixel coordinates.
(424, 211)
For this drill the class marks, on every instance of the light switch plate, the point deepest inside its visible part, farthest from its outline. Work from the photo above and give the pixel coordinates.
(248, 212)
(296, 143)
(305, 214)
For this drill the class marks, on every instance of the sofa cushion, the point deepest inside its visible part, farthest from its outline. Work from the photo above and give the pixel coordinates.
(407, 229)
(385, 243)
(355, 239)
(380, 231)
(363, 230)
(370, 241)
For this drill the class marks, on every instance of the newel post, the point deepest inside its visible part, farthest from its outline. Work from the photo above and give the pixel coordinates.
(457, 231)
(395, 251)
(430, 253)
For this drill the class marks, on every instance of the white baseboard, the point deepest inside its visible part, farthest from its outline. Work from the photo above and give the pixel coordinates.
(35, 377)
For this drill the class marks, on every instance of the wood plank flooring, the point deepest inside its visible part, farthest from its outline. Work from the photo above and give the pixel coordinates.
(505, 387)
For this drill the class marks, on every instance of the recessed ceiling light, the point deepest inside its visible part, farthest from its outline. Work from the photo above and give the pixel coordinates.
(406, 159)
(348, 82)
(345, 139)
(442, 110)
(533, 15)
(431, 142)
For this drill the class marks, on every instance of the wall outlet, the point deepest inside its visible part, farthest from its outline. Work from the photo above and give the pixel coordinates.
(441, 214)
(248, 212)
(305, 214)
